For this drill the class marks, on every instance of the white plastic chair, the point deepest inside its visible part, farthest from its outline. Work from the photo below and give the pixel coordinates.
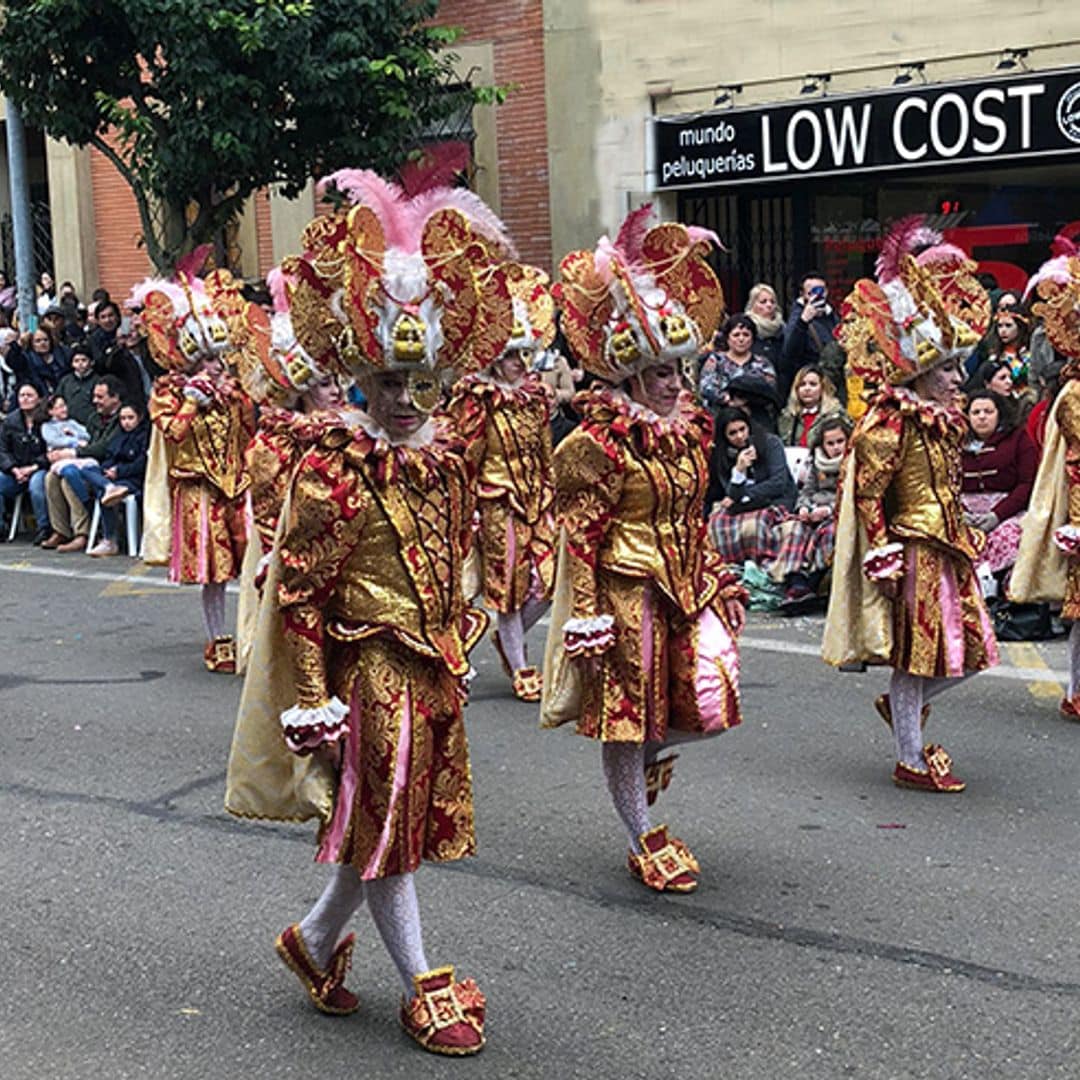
(131, 523)
(797, 457)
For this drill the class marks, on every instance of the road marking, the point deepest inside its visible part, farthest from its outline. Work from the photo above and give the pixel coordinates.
(137, 571)
(1024, 654)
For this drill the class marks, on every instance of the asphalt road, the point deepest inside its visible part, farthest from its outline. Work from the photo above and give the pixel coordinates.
(844, 928)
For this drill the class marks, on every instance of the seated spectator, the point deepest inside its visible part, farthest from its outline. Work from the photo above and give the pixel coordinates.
(61, 431)
(999, 471)
(750, 489)
(10, 357)
(807, 539)
(763, 307)
(48, 361)
(46, 292)
(23, 464)
(67, 492)
(77, 386)
(812, 396)
(757, 398)
(121, 473)
(736, 356)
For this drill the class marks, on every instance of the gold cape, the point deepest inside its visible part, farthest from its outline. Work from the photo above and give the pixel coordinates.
(265, 779)
(157, 503)
(562, 693)
(859, 624)
(1041, 566)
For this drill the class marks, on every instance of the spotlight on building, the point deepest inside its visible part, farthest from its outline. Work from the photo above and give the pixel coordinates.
(907, 73)
(725, 93)
(815, 84)
(1012, 60)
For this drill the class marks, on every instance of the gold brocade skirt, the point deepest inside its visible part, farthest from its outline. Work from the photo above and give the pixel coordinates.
(518, 558)
(1070, 607)
(404, 792)
(665, 671)
(941, 627)
(209, 534)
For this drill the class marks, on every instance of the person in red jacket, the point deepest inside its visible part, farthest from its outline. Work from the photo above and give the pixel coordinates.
(999, 470)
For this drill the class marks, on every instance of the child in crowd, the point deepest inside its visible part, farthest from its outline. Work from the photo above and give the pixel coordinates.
(60, 431)
(809, 536)
(121, 473)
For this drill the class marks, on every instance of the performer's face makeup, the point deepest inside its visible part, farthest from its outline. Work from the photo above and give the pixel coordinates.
(658, 388)
(510, 368)
(325, 394)
(390, 405)
(940, 385)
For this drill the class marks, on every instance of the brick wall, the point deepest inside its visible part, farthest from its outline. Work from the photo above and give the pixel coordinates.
(515, 28)
(120, 261)
(264, 231)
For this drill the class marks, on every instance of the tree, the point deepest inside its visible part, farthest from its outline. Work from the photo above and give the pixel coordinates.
(199, 103)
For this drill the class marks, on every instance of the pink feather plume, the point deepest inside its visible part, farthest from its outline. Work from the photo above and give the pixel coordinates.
(908, 236)
(699, 235)
(1064, 245)
(632, 234)
(1053, 270)
(191, 265)
(276, 284)
(483, 218)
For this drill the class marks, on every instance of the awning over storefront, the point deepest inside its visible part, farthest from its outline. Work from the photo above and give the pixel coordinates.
(1011, 118)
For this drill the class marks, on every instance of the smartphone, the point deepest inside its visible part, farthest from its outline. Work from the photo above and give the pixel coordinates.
(818, 293)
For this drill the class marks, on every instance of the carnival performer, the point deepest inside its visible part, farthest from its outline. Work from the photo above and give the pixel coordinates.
(1048, 562)
(641, 653)
(506, 412)
(367, 639)
(195, 494)
(904, 588)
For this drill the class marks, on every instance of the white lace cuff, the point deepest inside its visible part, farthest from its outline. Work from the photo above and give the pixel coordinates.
(1067, 538)
(589, 637)
(884, 562)
(306, 729)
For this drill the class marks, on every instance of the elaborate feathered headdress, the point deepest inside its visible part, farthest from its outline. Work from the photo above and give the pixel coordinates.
(1057, 285)
(925, 308)
(398, 283)
(189, 318)
(647, 297)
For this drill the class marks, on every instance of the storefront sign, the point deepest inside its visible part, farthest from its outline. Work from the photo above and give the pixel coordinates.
(1009, 118)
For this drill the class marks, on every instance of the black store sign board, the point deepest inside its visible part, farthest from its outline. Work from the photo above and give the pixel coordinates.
(1010, 118)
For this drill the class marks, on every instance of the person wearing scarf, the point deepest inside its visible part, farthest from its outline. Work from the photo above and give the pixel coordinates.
(764, 308)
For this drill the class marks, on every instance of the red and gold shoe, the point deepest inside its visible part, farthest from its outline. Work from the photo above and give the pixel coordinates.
(325, 988)
(936, 777)
(220, 655)
(1070, 708)
(444, 1016)
(665, 863)
(658, 776)
(527, 683)
(884, 710)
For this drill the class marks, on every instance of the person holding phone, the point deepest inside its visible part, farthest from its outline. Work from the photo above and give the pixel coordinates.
(809, 331)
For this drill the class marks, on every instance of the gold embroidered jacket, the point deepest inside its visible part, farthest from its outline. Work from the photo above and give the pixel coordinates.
(630, 491)
(509, 441)
(374, 544)
(281, 439)
(206, 442)
(909, 472)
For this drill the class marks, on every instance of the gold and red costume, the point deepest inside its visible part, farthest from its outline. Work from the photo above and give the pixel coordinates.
(906, 485)
(388, 636)
(205, 447)
(631, 490)
(509, 433)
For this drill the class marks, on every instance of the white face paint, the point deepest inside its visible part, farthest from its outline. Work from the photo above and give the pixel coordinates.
(940, 385)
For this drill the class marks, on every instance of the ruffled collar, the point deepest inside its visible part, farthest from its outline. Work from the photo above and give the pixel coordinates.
(944, 419)
(607, 409)
(417, 459)
(484, 384)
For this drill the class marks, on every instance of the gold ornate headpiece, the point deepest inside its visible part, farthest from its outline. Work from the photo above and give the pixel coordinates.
(415, 284)
(648, 297)
(1057, 285)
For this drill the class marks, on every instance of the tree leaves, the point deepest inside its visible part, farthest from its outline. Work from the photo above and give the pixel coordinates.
(206, 101)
